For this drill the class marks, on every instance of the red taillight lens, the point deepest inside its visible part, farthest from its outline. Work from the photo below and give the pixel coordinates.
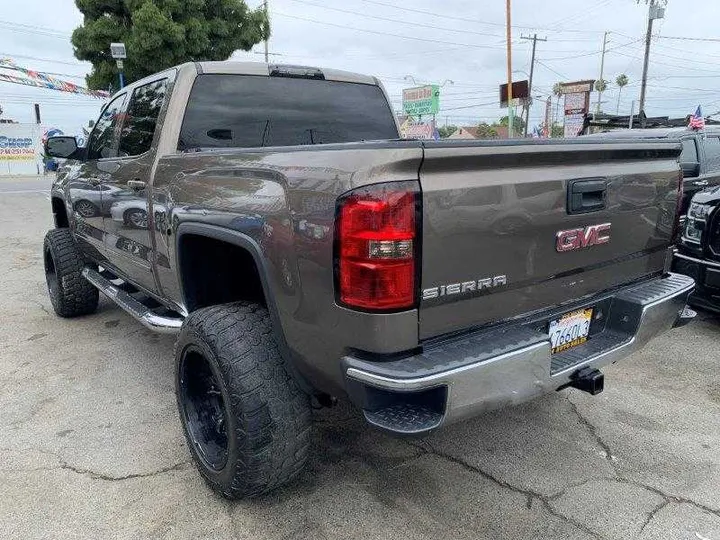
(376, 246)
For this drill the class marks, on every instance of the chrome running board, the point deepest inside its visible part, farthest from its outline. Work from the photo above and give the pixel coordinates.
(147, 317)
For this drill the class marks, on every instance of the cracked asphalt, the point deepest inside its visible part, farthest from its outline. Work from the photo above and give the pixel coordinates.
(91, 447)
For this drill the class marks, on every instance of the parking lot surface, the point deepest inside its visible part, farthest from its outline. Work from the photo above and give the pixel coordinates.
(91, 445)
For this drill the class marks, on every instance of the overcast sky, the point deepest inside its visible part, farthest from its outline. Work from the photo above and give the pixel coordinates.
(430, 41)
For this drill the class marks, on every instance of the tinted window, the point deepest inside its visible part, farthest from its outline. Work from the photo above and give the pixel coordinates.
(249, 111)
(142, 114)
(712, 154)
(689, 151)
(103, 140)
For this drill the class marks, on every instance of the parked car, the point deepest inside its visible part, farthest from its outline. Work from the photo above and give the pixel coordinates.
(699, 160)
(698, 253)
(306, 253)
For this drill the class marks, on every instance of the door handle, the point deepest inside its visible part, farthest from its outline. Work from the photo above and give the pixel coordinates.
(136, 184)
(701, 183)
(586, 195)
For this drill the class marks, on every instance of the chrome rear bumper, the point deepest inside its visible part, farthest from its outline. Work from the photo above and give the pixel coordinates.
(461, 377)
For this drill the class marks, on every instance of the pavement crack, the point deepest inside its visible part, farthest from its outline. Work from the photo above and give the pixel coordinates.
(528, 493)
(42, 307)
(653, 512)
(670, 498)
(102, 476)
(605, 447)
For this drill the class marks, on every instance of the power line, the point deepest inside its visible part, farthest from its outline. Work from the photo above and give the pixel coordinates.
(375, 32)
(397, 21)
(475, 21)
(682, 38)
(50, 60)
(593, 53)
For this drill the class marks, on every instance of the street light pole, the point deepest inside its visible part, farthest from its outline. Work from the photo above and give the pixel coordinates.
(654, 12)
(534, 39)
(508, 33)
(602, 69)
(265, 8)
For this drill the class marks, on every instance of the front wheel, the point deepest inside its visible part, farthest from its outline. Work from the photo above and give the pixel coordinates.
(136, 218)
(70, 293)
(246, 421)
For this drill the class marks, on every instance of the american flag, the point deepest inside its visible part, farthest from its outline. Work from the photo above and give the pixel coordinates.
(696, 120)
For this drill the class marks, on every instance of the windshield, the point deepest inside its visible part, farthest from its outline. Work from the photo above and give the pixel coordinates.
(245, 111)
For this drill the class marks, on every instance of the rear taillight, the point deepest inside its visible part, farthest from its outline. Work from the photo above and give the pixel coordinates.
(376, 247)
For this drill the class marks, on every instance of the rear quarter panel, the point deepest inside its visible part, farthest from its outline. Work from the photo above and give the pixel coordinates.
(284, 200)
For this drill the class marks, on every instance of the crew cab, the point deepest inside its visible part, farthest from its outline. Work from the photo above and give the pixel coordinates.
(270, 216)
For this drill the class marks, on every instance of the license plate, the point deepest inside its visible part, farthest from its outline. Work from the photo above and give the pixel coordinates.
(570, 330)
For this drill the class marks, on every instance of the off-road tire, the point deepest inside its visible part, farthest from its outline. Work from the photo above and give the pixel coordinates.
(267, 416)
(70, 293)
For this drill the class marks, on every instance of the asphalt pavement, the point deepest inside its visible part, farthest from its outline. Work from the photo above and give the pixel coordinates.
(91, 445)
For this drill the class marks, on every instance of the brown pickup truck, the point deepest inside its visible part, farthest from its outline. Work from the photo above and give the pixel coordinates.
(270, 216)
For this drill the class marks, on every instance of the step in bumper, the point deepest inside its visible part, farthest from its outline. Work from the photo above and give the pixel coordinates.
(463, 376)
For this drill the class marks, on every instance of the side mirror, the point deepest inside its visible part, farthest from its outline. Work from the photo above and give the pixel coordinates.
(62, 147)
(690, 169)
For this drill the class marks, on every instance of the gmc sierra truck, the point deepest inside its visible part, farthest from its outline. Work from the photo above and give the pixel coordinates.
(270, 216)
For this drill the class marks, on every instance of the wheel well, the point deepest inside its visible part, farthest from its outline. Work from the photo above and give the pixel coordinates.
(216, 272)
(60, 213)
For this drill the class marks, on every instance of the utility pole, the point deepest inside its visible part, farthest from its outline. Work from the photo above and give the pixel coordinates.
(602, 69)
(508, 32)
(265, 8)
(654, 12)
(534, 39)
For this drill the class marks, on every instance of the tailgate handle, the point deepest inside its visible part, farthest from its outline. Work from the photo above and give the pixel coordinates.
(586, 196)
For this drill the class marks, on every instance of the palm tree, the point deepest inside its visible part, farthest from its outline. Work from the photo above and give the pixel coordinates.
(621, 81)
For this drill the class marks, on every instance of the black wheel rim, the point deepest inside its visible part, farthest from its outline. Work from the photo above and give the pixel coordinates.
(203, 409)
(50, 273)
(138, 219)
(85, 209)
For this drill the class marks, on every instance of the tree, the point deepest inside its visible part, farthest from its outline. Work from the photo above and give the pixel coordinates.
(601, 85)
(162, 33)
(486, 131)
(446, 131)
(518, 123)
(621, 81)
(557, 131)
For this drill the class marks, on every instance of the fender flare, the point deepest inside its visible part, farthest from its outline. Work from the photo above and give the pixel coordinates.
(251, 246)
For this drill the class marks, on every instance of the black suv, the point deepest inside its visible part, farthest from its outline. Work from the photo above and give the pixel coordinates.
(698, 253)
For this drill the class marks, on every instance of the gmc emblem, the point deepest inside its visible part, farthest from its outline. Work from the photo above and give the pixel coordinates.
(592, 235)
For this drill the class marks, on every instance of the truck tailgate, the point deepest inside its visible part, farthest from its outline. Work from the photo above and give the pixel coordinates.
(492, 213)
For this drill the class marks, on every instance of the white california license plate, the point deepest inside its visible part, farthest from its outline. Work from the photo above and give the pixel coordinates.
(570, 330)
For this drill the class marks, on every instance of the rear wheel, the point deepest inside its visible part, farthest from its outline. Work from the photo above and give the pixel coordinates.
(246, 421)
(70, 293)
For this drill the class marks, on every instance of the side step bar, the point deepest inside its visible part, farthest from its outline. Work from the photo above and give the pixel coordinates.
(148, 318)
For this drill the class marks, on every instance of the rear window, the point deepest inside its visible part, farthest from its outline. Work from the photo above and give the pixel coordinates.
(245, 111)
(689, 151)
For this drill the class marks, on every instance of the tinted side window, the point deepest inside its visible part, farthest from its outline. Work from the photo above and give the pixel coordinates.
(141, 119)
(689, 152)
(712, 154)
(103, 140)
(244, 111)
